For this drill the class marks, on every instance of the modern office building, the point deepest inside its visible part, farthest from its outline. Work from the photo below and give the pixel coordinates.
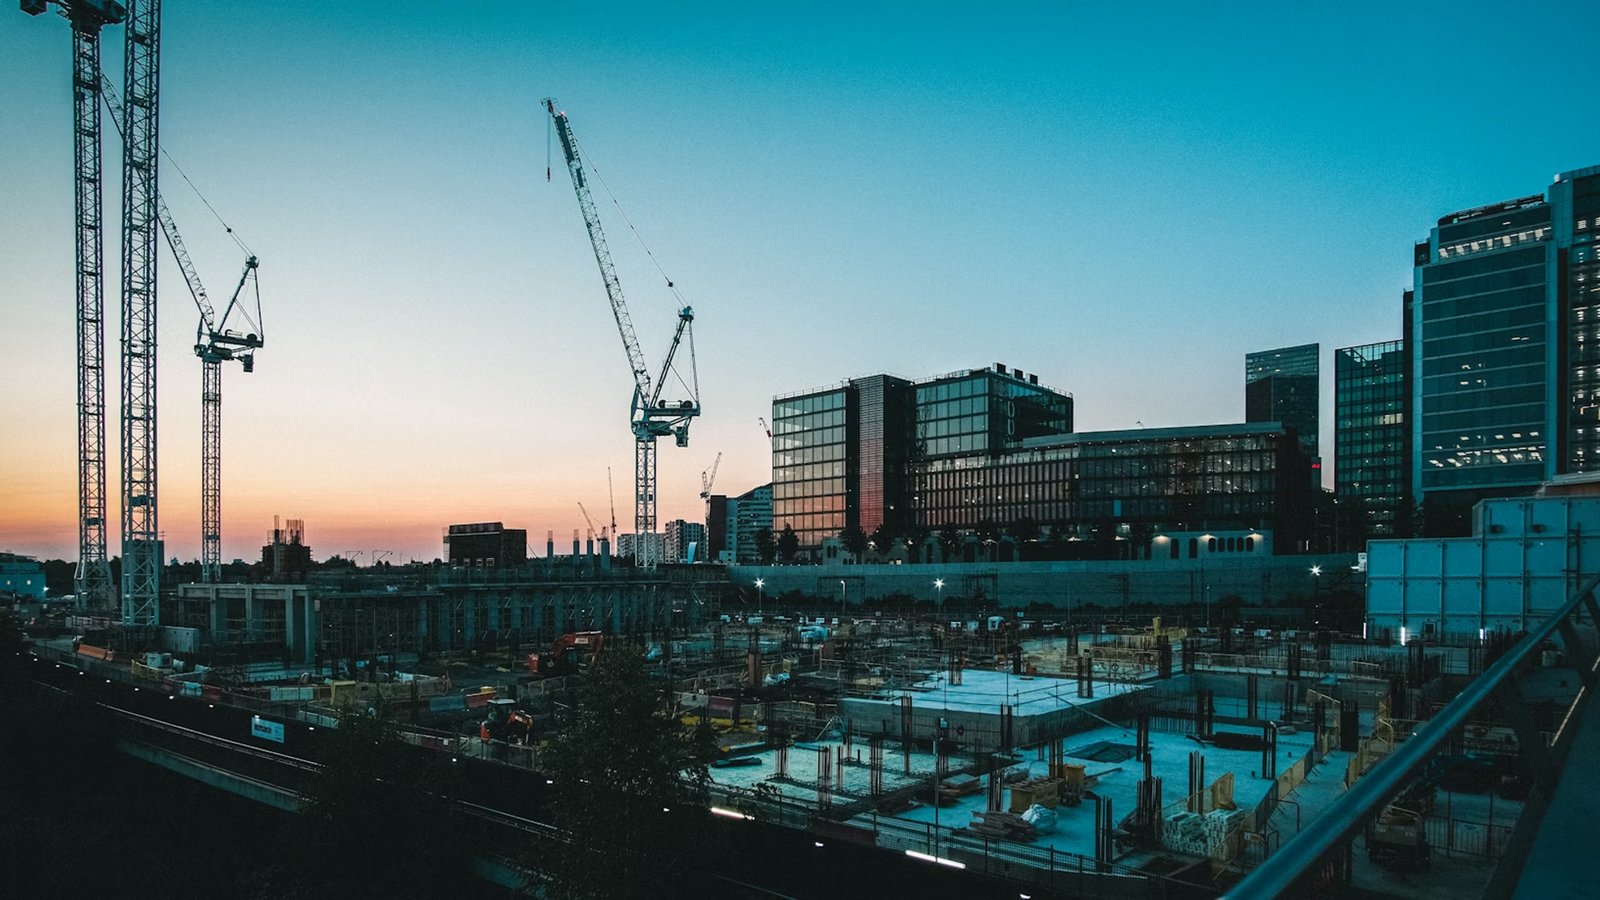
(1372, 436)
(486, 545)
(1136, 483)
(1284, 385)
(845, 457)
(717, 530)
(1505, 349)
(994, 448)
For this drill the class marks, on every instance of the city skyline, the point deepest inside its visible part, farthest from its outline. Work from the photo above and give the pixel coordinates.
(1196, 185)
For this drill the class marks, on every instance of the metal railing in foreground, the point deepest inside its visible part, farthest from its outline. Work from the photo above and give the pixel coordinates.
(1311, 848)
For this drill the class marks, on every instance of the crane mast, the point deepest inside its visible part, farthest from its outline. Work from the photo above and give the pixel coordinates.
(214, 344)
(92, 578)
(649, 416)
(141, 534)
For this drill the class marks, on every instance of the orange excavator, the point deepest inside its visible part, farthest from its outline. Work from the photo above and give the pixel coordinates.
(505, 722)
(570, 653)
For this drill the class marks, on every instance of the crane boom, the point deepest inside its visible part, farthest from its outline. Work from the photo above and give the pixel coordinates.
(709, 477)
(649, 416)
(602, 254)
(214, 344)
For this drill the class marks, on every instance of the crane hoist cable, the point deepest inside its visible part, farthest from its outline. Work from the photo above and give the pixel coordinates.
(595, 171)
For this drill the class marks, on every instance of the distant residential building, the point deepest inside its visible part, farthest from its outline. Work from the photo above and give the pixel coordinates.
(1506, 349)
(752, 512)
(486, 545)
(680, 536)
(1372, 434)
(630, 545)
(21, 576)
(1284, 385)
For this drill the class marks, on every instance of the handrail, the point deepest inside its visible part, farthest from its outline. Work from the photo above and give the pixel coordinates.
(1277, 875)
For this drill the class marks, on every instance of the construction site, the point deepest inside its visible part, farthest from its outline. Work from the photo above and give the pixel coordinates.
(1041, 741)
(1115, 761)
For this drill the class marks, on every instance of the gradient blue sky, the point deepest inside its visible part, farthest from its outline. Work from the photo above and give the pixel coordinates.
(1122, 197)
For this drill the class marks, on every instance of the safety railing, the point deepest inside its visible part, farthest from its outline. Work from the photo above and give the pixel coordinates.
(1311, 850)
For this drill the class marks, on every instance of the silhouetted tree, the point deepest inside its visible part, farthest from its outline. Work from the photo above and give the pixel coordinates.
(629, 789)
(882, 539)
(949, 543)
(854, 541)
(788, 543)
(387, 807)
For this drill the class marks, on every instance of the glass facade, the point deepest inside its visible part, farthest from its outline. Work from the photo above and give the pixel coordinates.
(1482, 317)
(986, 411)
(1576, 198)
(811, 463)
(1211, 477)
(1372, 432)
(883, 443)
(1284, 385)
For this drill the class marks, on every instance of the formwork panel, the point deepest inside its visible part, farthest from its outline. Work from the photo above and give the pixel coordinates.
(1463, 559)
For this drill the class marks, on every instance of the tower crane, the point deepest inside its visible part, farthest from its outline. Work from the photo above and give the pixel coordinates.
(612, 493)
(92, 578)
(764, 426)
(709, 477)
(141, 532)
(215, 343)
(650, 416)
(586, 518)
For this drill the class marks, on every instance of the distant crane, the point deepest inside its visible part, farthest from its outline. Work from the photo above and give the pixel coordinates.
(709, 477)
(92, 578)
(215, 343)
(586, 518)
(649, 415)
(612, 493)
(764, 426)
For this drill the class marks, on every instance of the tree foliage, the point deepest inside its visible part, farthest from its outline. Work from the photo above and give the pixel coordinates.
(766, 545)
(379, 820)
(629, 788)
(788, 544)
(854, 541)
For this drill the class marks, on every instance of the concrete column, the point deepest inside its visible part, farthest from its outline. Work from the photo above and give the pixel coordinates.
(291, 633)
(219, 612)
(250, 613)
(312, 627)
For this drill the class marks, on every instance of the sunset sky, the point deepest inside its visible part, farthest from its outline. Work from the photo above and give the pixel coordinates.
(1122, 197)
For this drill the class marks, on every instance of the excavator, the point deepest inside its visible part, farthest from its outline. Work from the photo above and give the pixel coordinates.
(570, 653)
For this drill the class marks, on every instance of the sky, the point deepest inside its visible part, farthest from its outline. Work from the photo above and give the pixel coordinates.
(1122, 197)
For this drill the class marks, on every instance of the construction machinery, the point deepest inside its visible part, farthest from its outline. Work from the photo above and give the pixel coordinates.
(215, 343)
(569, 654)
(92, 578)
(650, 415)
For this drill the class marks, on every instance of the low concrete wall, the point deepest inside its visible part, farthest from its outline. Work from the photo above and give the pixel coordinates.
(1256, 579)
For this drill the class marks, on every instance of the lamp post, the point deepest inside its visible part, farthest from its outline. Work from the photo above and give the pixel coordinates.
(938, 594)
(841, 601)
(759, 585)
